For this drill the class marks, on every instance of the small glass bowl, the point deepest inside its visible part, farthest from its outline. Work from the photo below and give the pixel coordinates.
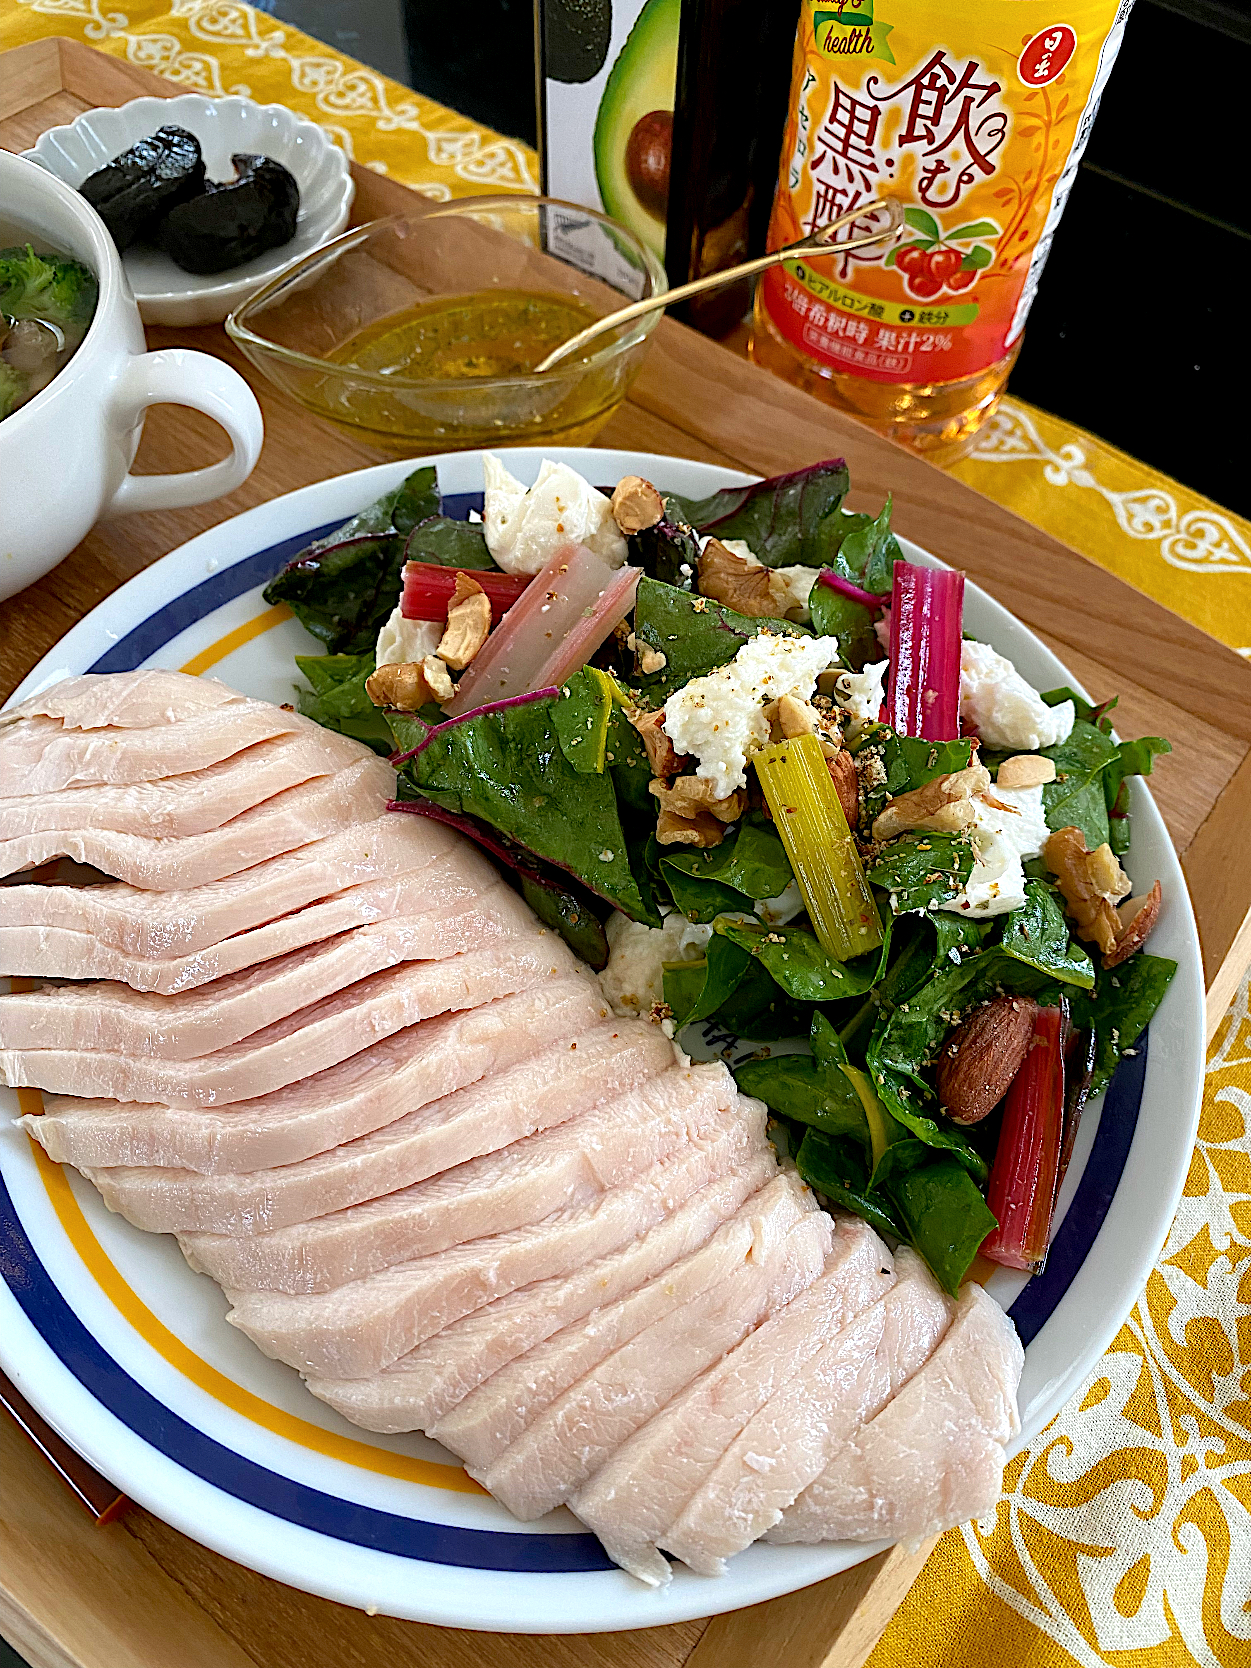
(291, 327)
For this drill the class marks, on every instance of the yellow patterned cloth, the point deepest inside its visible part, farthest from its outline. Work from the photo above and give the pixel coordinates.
(1123, 1539)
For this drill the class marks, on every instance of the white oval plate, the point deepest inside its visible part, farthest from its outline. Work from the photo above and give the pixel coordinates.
(165, 293)
(126, 1351)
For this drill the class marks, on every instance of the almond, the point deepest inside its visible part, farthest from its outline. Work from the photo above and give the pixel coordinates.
(1137, 918)
(1025, 770)
(982, 1056)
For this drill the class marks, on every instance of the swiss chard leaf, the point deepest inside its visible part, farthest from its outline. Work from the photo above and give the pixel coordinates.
(442, 542)
(631, 772)
(1119, 1009)
(860, 547)
(343, 587)
(694, 634)
(338, 700)
(837, 1168)
(569, 915)
(669, 551)
(1080, 762)
(1038, 935)
(796, 1087)
(695, 990)
(922, 871)
(778, 518)
(1135, 759)
(834, 615)
(798, 963)
(749, 863)
(581, 719)
(507, 768)
(943, 1213)
(1082, 708)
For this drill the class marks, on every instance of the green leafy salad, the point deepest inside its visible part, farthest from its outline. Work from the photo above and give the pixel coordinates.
(745, 758)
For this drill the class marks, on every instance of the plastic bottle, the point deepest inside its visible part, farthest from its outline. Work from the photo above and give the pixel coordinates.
(975, 114)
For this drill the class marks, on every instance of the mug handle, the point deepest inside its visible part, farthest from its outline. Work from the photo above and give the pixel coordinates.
(180, 376)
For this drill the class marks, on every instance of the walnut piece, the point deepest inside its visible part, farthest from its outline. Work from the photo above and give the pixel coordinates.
(468, 624)
(1137, 918)
(731, 579)
(1092, 883)
(701, 830)
(943, 806)
(687, 796)
(982, 1056)
(663, 757)
(636, 504)
(410, 684)
(1025, 770)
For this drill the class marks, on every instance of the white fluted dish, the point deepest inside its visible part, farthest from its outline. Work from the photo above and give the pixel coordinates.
(165, 293)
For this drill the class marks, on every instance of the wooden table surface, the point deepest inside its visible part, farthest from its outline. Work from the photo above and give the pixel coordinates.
(139, 1594)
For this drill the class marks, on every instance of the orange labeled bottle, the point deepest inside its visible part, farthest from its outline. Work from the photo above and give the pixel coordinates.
(974, 113)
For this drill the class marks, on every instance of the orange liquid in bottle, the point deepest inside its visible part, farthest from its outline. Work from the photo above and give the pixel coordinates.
(974, 114)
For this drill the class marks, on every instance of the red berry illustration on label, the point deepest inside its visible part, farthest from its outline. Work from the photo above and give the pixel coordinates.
(943, 263)
(962, 280)
(912, 259)
(924, 287)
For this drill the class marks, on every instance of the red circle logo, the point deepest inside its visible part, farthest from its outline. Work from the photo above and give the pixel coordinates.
(1046, 55)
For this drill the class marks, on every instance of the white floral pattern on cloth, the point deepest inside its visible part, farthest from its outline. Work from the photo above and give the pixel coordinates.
(222, 46)
(1126, 1527)
(1033, 463)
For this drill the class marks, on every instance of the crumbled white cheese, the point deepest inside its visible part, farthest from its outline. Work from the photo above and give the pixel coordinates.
(525, 528)
(402, 641)
(719, 719)
(1005, 710)
(860, 693)
(1001, 838)
(776, 912)
(633, 980)
(798, 579)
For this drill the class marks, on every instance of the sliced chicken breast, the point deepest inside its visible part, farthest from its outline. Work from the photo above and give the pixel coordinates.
(298, 817)
(115, 1019)
(638, 1494)
(584, 1426)
(498, 1413)
(439, 890)
(790, 1440)
(125, 700)
(547, 1088)
(158, 924)
(304, 1042)
(430, 1380)
(43, 755)
(373, 1088)
(934, 1456)
(411, 1301)
(567, 1168)
(194, 803)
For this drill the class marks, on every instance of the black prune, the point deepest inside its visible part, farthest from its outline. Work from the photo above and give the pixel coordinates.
(131, 193)
(234, 221)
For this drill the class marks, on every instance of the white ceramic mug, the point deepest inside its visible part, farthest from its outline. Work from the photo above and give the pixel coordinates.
(65, 456)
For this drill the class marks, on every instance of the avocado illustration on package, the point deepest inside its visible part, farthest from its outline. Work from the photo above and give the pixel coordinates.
(634, 125)
(576, 35)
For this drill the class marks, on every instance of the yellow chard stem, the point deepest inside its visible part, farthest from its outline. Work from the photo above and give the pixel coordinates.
(810, 820)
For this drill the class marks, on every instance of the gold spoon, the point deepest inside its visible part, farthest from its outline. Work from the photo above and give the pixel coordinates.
(820, 242)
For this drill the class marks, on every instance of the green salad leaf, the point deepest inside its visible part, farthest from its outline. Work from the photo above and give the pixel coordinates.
(1076, 798)
(1135, 758)
(836, 1167)
(779, 518)
(343, 587)
(669, 551)
(1120, 1007)
(860, 547)
(922, 871)
(1038, 935)
(694, 634)
(442, 542)
(338, 700)
(943, 1213)
(750, 863)
(834, 615)
(507, 768)
(796, 1087)
(797, 962)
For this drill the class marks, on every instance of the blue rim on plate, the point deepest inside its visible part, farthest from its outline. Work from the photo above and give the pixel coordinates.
(325, 1508)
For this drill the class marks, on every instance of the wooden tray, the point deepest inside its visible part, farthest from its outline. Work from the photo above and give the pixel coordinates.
(140, 1595)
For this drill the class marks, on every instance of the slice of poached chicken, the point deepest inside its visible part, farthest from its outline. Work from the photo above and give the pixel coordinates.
(123, 700)
(565, 1168)
(632, 1500)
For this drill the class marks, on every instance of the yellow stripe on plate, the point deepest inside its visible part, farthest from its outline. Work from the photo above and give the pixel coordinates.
(200, 663)
(172, 1349)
